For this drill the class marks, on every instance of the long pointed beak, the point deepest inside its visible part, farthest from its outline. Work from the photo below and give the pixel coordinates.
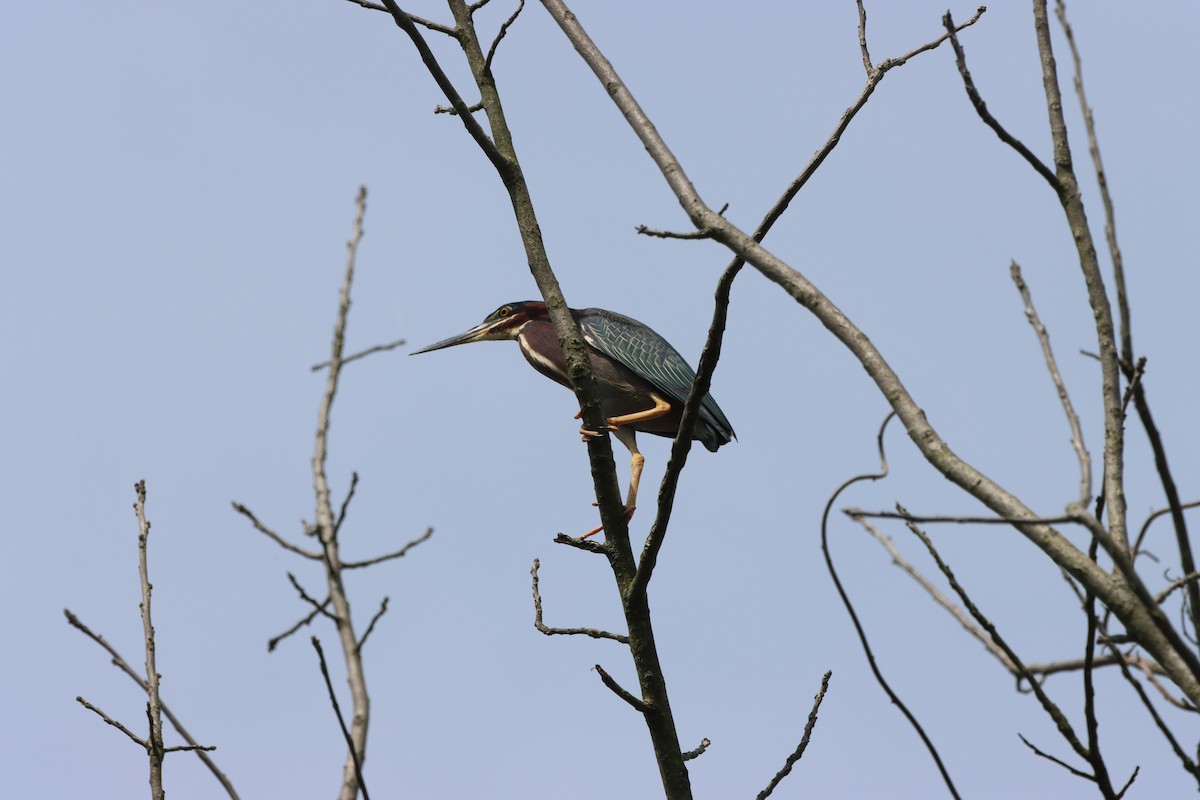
(480, 333)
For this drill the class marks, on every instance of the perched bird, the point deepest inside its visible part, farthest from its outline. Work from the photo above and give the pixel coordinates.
(642, 380)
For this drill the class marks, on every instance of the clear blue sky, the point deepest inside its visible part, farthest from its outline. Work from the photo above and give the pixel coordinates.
(177, 190)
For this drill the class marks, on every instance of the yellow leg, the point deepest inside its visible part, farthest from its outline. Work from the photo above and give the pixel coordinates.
(661, 409)
(628, 438)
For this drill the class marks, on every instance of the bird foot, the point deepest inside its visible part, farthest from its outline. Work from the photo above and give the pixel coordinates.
(586, 434)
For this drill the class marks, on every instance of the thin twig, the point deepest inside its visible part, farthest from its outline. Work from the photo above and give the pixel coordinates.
(699, 751)
(595, 633)
(383, 607)
(452, 111)
(379, 348)
(341, 517)
(304, 621)
(1094, 757)
(858, 513)
(120, 663)
(936, 594)
(1137, 547)
(637, 704)
(337, 710)
(404, 21)
(1081, 452)
(1116, 658)
(1055, 713)
(154, 744)
(858, 626)
(279, 540)
(711, 353)
(1060, 762)
(582, 544)
(487, 62)
(868, 66)
(808, 729)
(433, 26)
(306, 597)
(981, 109)
(1175, 584)
(140, 742)
(656, 233)
(403, 551)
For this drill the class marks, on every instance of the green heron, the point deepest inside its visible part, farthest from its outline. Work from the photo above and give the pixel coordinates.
(642, 380)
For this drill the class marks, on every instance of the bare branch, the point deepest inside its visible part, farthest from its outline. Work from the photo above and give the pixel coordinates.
(403, 551)
(858, 513)
(1159, 513)
(379, 348)
(154, 745)
(637, 704)
(808, 729)
(1047, 668)
(699, 751)
(142, 742)
(487, 62)
(941, 599)
(1177, 583)
(862, 39)
(661, 234)
(1129, 782)
(383, 607)
(960, 58)
(440, 109)
(712, 346)
(858, 627)
(307, 620)
(337, 710)
(1094, 757)
(139, 741)
(119, 662)
(541, 626)
(187, 748)
(1058, 761)
(1183, 541)
(582, 544)
(1110, 226)
(404, 21)
(1085, 460)
(425, 23)
(306, 597)
(279, 540)
(341, 517)
(1060, 719)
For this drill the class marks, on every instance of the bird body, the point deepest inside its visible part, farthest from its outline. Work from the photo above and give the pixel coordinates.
(642, 381)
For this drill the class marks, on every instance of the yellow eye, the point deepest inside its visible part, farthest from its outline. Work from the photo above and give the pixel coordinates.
(504, 312)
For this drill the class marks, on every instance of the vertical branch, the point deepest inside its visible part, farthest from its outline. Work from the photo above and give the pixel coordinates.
(154, 744)
(502, 153)
(1072, 202)
(326, 526)
(1085, 460)
(1127, 358)
(337, 711)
